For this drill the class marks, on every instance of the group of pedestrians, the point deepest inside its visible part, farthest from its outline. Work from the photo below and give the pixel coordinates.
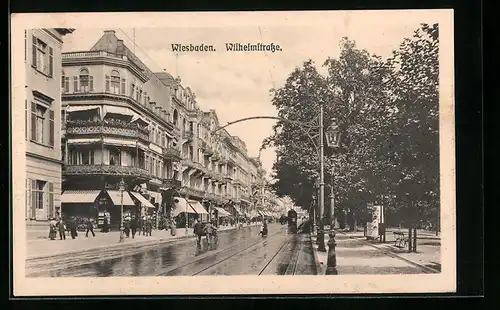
(57, 225)
(137, 225)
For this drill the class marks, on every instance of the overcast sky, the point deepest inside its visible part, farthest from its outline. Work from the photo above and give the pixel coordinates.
(237, 84)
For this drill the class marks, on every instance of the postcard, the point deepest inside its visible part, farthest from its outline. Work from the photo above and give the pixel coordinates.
(258, 152)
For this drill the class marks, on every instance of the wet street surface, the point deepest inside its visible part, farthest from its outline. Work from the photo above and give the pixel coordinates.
(238, 252)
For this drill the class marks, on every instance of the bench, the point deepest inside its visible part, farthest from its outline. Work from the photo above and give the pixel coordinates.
(401, 239)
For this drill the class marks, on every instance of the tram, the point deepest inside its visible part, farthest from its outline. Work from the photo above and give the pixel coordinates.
(292, 221)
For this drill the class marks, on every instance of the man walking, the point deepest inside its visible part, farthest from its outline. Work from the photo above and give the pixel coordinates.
(133, 225)
(90, 227)
(62, 229)
(72, 225)
(198, 230)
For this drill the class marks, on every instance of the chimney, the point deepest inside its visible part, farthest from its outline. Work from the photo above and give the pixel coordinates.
(109, 31)
(120, 47)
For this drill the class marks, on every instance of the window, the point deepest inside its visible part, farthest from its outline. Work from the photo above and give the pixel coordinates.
(115, 82)
(42, 57)
(132, 89)
(84, 82)
(38, 191)
(157, 136)
(114, 157)
(42, 124)
(64, 83)
(124, 90)
(163, 140)
(176, 118)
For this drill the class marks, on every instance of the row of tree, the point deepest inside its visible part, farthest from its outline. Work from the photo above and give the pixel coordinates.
(388, 116)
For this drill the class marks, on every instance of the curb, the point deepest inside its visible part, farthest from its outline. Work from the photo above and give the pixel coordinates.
(389, 253)
(320, 270)
(116, 245)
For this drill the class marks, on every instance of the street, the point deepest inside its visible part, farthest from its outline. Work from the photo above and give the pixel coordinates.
(238, 252)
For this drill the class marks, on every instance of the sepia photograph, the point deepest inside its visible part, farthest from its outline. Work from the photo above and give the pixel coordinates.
(252, 151)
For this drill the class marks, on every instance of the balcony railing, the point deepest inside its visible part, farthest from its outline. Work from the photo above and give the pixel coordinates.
(171, 183)
(171, 153)
(99, 54)
(195, 192)
(106, 170)
(81, 127)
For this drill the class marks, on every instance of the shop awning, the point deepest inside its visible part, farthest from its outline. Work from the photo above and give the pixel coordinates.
(119, 142)
(180, 206)
(80, 108)
(157, 196)
(222, 212)
(198, 208)
(238, 211)
(261, 213)
(83, 141)
(117, 111)
(116, 198)
(79, 196)
(142, 199)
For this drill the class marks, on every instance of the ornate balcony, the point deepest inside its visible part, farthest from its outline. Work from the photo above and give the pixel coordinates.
(171, 153)
(119, 171)
(107, 127)
(194, 192)
(171, 183)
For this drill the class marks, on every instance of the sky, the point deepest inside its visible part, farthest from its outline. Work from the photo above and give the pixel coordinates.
(237, 84)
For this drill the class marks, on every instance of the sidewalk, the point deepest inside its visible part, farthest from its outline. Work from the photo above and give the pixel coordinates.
(39, 248)
(349, 244)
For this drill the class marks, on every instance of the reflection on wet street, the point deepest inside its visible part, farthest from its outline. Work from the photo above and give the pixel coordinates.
(241, 251)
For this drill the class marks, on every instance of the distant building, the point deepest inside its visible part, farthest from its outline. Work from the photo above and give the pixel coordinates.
(124, 122)
(43, 121)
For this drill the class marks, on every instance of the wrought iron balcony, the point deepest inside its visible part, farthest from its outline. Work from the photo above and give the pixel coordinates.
(171, 153)
(171, 183)
(122, 171)
(195, 192)
(109, 127)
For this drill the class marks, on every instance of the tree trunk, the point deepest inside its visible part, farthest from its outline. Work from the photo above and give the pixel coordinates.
(414, 240)
(410, 240)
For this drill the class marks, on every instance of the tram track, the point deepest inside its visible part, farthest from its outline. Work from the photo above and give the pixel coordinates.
(177, 270)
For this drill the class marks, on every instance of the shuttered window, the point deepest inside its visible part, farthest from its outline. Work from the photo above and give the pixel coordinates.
(51, 62)
(51, 128)
(91, 83)
(33, 121)
(50, 188)
(27, 198)
(34, 197)
(34, 52)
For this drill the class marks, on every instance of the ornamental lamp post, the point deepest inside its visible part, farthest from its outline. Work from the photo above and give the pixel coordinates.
(332, 141)
(122, 188)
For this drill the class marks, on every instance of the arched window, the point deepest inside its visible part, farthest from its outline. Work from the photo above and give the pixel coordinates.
(115, 82)
(86, 81)
(176, 118)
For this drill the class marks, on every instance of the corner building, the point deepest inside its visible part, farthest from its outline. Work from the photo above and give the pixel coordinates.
(43, 122)
(118, 128)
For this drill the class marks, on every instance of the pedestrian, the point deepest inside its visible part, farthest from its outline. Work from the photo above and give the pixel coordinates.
(149, 226)
(52, 229)
(173, 227)
(197, 230)
(143, 225)
(72, 225)
(105, 225)
(263, 229)
(62, 229)
(126, 226)
(90, 227)
(133, 226)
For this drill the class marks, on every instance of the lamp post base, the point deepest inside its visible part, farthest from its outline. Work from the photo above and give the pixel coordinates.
(321, 241)
(122, 235)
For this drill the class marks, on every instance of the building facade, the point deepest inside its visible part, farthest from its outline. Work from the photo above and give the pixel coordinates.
(124, 122)
(43, 122)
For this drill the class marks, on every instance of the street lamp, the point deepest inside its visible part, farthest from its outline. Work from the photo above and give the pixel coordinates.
(122, 188)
